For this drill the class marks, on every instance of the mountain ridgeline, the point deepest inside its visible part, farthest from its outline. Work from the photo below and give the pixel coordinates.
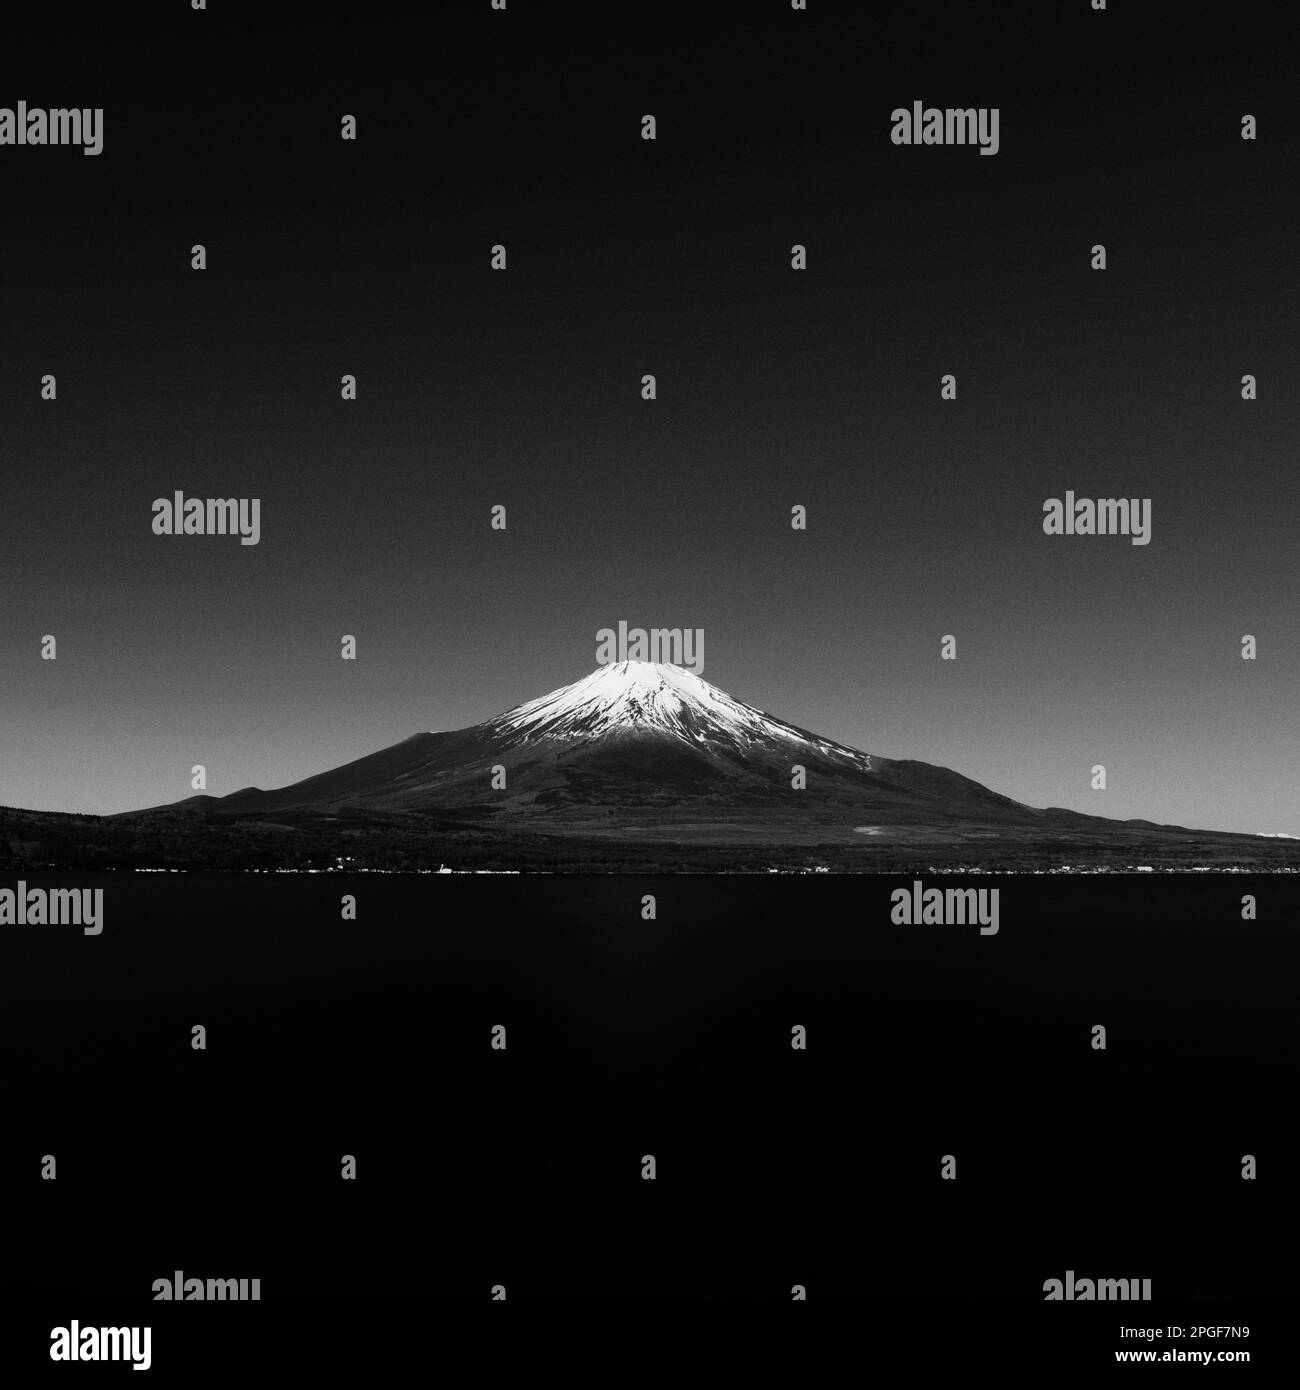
(639, 766)
(638, 743)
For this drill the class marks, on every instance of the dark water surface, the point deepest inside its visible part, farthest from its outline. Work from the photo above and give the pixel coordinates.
(670, 1037)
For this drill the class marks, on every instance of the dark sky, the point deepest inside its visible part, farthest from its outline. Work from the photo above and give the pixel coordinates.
(775, 387)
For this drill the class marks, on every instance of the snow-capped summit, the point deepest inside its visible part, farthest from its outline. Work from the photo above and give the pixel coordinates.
(649, 755)
(649, 697)
(635, 739)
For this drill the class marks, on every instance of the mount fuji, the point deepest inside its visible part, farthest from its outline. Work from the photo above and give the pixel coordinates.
(638, 765)
(643, 762)
(630, 745)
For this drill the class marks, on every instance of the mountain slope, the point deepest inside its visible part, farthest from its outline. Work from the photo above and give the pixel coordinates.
(634, 767)
(637, 741)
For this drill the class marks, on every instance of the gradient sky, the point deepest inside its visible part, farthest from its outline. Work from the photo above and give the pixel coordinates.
(775, 388)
